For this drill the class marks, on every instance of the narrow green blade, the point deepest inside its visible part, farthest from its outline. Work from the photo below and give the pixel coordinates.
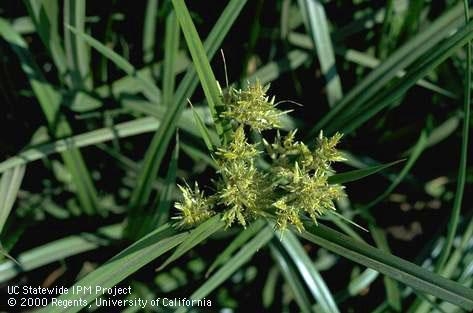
(9, 186)
(201, 63)
(392, 288)
(149, 89)
(346, 177)
(414, 156)
(196, 236)
(77, 52)
(149, 30)
(292, 277)
(240, 258)
(318, 27)
(306, 268)
(45, 17)
(397, 268)
(245, 235)
(121, 266)
(171, 46)
(462, 168)
(59, 250)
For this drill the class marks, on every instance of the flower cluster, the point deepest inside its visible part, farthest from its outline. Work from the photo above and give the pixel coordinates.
(252, 107)
(301, 178)
(195, 207)
(294, 185)
(241, 182)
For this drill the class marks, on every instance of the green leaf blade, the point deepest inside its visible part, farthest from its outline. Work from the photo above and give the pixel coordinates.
(397, 268)
(346, 177)
(122, 265)
(201, 63)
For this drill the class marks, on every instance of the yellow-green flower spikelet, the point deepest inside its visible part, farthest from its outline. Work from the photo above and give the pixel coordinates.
(194, 207)
(252, 107)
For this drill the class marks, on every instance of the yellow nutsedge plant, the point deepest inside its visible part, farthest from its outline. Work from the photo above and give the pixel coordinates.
(294, 185)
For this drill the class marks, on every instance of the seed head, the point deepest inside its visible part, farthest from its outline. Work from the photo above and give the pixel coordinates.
(194, 207)
(251, 106)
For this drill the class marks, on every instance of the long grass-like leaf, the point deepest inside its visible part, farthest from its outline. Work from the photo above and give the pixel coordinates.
(58, 250)
(415, 154)
(239, 241)
(149, 89)
(346, 177)
(186, 121)
(306, 268)
(149, 30)
(44, 15)
(450, 267)
(204, 131)
(269, 289)
(317, 26)
(201, 63)
(196, 236)
(392, 288)
(443, 131)
(120, 130)
(9, 187)
(272, 70)
(292, 277)
(240, 258)
(171, 44)
(397, 268)
(129, 84)
(76, 50)
(159, 214)
(122, 265)
(47, 96)
(388, 31)
(462, 168)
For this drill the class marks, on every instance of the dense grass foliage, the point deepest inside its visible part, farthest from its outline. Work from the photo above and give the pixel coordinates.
(98, 133)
